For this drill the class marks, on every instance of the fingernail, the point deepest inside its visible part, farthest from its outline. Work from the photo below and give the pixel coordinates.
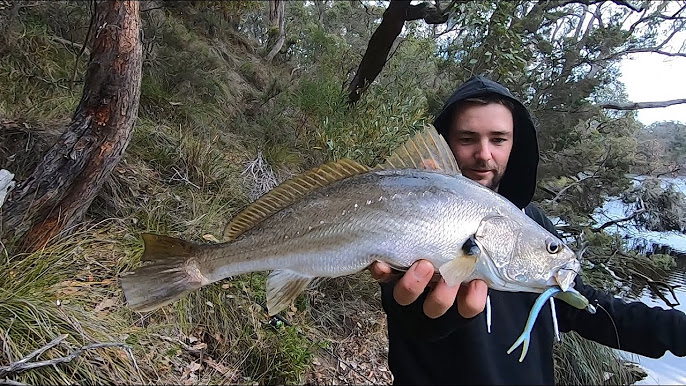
(423, 269)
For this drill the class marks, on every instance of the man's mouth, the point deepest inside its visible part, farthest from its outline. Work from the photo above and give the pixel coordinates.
(481, 172)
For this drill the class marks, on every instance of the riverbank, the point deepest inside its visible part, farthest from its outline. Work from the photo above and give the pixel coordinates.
(669, 369)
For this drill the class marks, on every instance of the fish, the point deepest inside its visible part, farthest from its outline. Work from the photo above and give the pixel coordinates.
(340, 217)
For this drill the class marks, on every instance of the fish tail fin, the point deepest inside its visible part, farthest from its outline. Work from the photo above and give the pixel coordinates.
(170, 273)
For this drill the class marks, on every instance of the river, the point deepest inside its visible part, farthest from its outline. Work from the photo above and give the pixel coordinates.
(668, 369)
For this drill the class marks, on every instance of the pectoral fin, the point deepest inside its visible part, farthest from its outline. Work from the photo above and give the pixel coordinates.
(458, 269)
(462, 266)
(283, 286)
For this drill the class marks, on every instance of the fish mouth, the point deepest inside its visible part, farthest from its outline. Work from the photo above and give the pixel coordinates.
(565, 275)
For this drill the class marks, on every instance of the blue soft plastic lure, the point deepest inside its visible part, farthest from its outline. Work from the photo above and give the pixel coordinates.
(533, 314)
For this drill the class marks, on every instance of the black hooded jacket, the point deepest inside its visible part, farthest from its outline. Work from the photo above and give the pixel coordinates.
(455, 350)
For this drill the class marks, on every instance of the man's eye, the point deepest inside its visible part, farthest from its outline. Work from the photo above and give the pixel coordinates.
(499, 140)
(465, 140)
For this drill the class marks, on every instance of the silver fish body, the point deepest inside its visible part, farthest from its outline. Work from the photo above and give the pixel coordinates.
(395, 216)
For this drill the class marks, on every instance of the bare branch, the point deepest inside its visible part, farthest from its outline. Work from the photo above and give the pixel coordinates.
(675, 16)
(640, 105)
(426, 11)
(24, 364)
(617, 221)
(6, 381)
(654, 285)
(628, 5)
(70, 43)
(152, 9)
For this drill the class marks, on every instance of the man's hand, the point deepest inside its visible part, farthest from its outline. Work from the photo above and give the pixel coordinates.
(471, 298)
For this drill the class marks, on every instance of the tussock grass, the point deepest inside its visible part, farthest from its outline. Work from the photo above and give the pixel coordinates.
(582, 362)
(65, 289)
(42, 91)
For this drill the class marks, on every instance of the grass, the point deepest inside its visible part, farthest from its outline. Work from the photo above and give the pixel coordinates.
(579, 361)
(216, 128)
(42, 296)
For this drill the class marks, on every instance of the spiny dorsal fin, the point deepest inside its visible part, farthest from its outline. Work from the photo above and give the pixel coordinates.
(425, 150)
(289, 192)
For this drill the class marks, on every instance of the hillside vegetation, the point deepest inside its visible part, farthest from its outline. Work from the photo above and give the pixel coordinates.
(217, 127)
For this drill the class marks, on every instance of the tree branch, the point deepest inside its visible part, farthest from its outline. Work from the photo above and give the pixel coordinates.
(628, 5)
(617, 221)
(70, 43)
(653, 50)
(428, 12)
(640, 105)
(378, 48)
(654, 286)
(24, 364)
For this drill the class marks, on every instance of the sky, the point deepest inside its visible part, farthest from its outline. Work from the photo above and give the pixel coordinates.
(653, 77)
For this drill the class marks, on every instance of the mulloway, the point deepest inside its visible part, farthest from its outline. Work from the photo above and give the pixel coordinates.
(339, 218)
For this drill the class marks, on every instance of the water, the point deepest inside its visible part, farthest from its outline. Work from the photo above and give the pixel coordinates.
(669, 369)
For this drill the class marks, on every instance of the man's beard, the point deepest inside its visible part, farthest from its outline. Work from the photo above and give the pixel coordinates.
(497, 177)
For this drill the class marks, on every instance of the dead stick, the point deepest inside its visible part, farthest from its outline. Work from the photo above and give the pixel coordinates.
(10, 382)
(185, 346)
(654, 286)
(38, 352)
(22, 365)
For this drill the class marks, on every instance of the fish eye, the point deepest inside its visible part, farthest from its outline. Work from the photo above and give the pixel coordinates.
(553, 246)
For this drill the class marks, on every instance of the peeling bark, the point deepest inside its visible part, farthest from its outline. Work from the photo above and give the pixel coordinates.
(65, 182)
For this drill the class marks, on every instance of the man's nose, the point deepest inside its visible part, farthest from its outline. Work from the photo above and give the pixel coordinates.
(483, 151)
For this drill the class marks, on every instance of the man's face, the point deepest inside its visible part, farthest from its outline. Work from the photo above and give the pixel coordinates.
(481, 139)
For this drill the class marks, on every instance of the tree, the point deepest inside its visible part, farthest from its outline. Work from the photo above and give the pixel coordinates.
(61, 188)
(386, 33)
(277, 27)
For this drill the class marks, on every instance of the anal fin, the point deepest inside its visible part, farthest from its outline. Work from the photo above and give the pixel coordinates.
(283, 286)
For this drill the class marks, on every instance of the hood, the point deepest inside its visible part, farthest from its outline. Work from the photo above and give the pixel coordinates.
(519, 182)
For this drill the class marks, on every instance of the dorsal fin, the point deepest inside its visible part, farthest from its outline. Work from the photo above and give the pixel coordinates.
(289, 192)
(425, 150)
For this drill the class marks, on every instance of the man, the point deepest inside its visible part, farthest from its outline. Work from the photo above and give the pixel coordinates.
(437, 334)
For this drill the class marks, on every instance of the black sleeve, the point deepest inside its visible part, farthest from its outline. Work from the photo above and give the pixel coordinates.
(411, 320)
(633, 327)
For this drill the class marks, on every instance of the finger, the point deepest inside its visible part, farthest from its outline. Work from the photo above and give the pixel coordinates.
(380, 270)
(413, 282)
(471, 298)
(441, 298)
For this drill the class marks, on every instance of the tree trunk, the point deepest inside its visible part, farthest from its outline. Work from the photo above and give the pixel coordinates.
(277, 10)
(63, 185)
(382, 39)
